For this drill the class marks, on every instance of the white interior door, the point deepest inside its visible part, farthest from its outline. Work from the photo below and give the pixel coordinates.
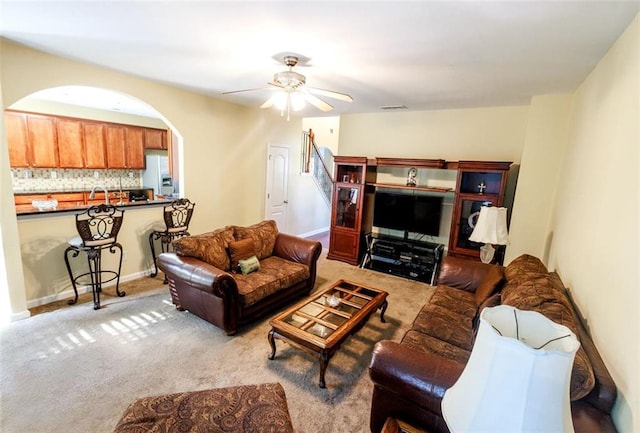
(277, 185)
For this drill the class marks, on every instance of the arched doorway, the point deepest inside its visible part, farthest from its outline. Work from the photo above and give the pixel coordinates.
(82, 103)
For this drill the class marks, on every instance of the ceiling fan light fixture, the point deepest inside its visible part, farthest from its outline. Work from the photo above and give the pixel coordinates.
(287, 100)
(280, 100)
(293, 94)
(289, 79)
(297, 101)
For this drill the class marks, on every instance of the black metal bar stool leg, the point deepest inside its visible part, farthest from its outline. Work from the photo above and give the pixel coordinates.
(153, 236)
(112, 250)
(93, 259)
(75, 252)
(165, 244)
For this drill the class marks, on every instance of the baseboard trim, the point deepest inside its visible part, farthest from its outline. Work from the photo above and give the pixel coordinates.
(68, 294)
(14, 317)
(313, 232)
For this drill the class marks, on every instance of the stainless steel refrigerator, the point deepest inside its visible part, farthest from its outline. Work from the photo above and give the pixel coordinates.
(157, 175)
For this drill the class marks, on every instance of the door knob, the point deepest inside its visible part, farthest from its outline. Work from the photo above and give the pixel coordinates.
(286, 201)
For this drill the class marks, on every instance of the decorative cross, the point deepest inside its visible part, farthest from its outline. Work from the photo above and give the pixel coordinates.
(482, 187)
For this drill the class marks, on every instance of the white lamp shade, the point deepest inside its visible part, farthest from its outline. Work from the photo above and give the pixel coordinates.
(511, 384)
(491, 227)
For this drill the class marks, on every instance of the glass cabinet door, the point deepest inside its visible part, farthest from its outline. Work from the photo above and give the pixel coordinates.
(347, 205)
(469, 211)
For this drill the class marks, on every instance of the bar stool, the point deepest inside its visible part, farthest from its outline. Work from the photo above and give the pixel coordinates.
(98, 228)
(177, 216)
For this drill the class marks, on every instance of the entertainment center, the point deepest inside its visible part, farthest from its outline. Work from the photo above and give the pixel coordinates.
(405, 195)
(409, 258)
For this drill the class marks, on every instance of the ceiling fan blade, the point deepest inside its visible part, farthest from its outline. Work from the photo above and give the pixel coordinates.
(330, 94)
(245, 90)
(317, 102)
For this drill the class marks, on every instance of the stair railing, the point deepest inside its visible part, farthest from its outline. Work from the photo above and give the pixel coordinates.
(314, 163)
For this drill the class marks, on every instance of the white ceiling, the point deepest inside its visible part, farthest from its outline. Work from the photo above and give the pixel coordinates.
(420, 54)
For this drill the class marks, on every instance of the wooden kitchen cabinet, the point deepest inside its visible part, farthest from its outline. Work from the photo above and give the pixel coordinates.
(71, 150)
(23, 202)
(17, 138)
(115, 144)
(66, 200)
(155, 139)
(43, 147)
(46, 141)
(31, 140)
(114, 197)
(134, 148)
(94, 144)
(125, 146)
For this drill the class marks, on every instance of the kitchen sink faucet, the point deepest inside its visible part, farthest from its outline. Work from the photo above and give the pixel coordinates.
(92, 195)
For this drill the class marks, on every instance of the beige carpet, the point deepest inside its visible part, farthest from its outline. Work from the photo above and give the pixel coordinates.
(76, 369)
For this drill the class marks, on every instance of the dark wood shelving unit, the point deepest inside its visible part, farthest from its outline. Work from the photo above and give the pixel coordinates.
(470, 198)
(347, 207)
(415, 188)
(359, 175)
(411, 162)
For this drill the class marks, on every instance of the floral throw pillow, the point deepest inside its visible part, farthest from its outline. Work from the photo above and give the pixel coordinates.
(208, 247)
(264, 237)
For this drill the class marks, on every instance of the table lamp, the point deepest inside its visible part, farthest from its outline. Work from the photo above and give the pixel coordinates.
(491, 228)
(517, 377)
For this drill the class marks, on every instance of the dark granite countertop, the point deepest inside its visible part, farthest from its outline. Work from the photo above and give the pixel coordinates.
(75, 209)
(73, 190)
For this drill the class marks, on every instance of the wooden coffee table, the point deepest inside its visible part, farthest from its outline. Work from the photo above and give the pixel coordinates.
(318, 328)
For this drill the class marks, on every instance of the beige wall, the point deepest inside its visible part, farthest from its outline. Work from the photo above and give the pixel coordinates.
(13, 302)
(326, 130)
(542, 157)
(43, 241)
(471, 134)
(595, 227)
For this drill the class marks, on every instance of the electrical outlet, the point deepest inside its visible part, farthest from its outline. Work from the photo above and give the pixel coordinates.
(96, 174)
(54, 174)
(125, 255)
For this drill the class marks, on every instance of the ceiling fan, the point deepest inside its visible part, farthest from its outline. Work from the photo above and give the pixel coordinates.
(293, 92)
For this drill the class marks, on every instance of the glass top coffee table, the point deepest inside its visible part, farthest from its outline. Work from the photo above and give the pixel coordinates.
(322, 322)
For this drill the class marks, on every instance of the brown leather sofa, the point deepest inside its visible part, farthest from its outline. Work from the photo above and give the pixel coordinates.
(204, 277)
(411, 376)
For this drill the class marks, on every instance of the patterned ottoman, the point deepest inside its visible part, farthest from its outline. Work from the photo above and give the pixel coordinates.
(238, 409)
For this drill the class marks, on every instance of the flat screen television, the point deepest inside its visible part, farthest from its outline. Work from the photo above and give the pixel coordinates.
(408, 212)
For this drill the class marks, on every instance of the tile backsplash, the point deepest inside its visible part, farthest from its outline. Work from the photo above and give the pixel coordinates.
(41, 179)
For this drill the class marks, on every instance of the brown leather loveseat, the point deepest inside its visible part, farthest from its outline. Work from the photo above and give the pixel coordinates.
(411, 376)
(205, 279)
